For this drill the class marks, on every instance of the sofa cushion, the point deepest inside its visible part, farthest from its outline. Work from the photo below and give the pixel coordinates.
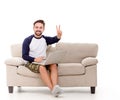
(71, 69)
(16, 50)
(24, 71)
(75, 52)
(63, 70)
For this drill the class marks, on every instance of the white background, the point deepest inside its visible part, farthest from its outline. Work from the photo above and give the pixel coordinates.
(82, 21)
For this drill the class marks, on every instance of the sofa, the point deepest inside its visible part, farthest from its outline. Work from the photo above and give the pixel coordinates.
(78, 67)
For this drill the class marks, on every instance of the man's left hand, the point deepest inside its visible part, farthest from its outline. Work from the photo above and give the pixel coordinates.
(59, 32)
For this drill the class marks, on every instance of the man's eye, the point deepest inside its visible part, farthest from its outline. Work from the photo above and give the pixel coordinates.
(40, 27)
(36, 27)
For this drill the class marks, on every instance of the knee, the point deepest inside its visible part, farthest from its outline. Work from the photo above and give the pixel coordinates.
(42, 68)
(53, 67)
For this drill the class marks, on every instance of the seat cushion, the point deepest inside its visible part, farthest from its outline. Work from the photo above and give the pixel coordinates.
(24, 71)
(71, 69)
(63, 70)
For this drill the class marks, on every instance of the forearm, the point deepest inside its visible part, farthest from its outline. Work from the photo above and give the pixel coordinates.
(28, 58)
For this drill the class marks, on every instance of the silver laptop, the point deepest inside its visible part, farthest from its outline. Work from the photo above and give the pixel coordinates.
(53, 57)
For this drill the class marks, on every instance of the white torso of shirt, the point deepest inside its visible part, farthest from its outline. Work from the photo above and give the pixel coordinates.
(38, 47)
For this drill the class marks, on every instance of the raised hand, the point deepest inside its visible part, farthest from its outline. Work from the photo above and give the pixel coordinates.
(59, 32)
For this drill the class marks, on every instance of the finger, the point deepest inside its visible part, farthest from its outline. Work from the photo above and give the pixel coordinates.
(56, 27)
(59, 27)
(42, 56)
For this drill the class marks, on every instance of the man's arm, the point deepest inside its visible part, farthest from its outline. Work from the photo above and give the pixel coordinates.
(52, 40)
(25, 50)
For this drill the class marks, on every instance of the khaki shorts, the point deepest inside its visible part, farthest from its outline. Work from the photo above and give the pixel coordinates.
(34, 67)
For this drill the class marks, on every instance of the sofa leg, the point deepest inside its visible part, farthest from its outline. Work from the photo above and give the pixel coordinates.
(10, 89)
(92, 90)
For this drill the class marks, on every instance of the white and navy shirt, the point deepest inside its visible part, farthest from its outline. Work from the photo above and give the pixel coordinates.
(38, 47)
(35, 47)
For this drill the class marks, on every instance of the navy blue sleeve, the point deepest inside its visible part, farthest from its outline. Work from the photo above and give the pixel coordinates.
(25, 50)
(51, 40)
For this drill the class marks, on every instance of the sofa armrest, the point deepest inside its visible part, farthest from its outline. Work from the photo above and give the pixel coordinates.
(89, 61)
(15, 61)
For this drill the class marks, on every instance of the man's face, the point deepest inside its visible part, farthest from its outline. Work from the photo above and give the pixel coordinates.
(38, 29)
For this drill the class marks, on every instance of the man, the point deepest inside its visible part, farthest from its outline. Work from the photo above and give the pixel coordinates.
(34, 50)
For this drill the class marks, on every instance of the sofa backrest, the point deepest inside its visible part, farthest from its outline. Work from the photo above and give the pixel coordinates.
(16, 50)
(75, 52)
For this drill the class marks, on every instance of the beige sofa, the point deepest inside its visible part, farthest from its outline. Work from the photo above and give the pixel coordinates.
(78, 67)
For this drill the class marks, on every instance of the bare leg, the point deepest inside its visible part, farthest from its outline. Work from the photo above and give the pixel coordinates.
(45, 77)
(54, 74)
(54, 78)
(51, 79)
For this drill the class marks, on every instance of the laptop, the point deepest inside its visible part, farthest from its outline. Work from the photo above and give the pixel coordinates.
(54, 57)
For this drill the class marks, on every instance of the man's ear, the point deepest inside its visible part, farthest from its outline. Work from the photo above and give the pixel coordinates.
(43, 28)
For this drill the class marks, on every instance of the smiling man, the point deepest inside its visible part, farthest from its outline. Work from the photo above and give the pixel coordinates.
(34, 50)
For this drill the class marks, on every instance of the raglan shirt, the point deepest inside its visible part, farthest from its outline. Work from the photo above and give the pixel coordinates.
(35, 47)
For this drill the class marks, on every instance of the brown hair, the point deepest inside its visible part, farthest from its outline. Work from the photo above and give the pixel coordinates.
(39, 21)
